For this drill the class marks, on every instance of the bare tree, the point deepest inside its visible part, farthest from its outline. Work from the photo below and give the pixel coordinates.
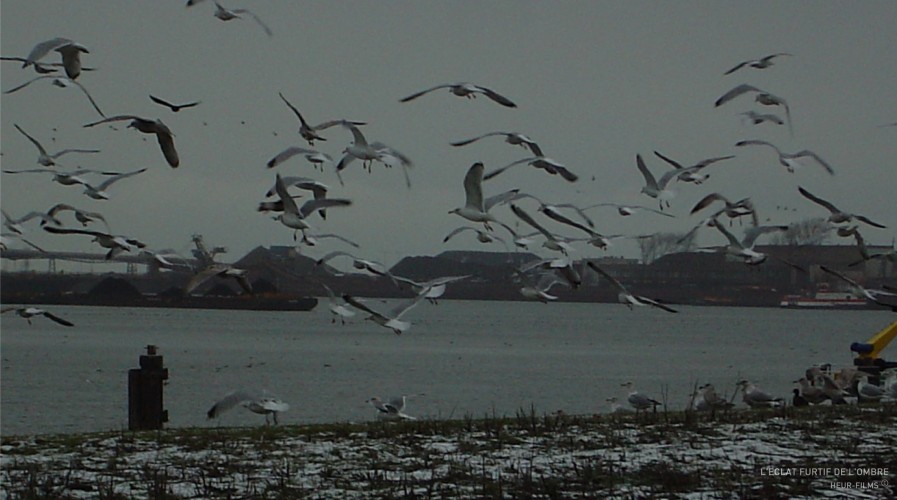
(657, 245)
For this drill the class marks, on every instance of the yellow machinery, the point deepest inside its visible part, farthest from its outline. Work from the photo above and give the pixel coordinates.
(867, 352)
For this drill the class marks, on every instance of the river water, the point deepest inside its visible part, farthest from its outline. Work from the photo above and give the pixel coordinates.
(465, 357)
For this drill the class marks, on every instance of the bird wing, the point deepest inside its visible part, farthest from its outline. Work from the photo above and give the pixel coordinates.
(89, 97)
(652, 302)
(108, 182)
(422, 92)
(474, 139)
(502, 169)
(737, 67)
(735, 92)
(115, 119)
(810, 196)
(473, 187)
(806, 152)
(227, 402)
(867, 221)
(57, 319)
(650, 181)
(202, 276)
(257, 19)
(289, 204)
(672, 162)
(495, 96)
(166, 142)
(456, 231)
(758, 142)
(550, 212)
(360, 305)
(525, 217)
(288, 153)
(162, 102)
(331, 255)
(403, 307)
(311, 206)
(65, 230)
(707, 200)
(610, 278)
(295, 111)
(752, 233)
(43, 48)
(500, 198)
(72, 150)
(32, 139)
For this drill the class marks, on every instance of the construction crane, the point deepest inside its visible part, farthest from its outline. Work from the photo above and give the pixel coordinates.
(868, 352)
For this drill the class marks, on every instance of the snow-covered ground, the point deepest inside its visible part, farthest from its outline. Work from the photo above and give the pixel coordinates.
(808, 452)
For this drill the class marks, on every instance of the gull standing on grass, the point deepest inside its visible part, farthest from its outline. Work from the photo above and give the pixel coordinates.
(756, 398)
(47, 159)
(638, 400)
(163, 134)
(624, 296)
(262, 403)
(464, 89)
(390, 319)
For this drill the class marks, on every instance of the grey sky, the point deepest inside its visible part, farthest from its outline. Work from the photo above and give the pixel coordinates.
(595, 82)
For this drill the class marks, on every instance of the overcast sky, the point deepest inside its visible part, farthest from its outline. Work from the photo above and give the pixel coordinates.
(595, 83)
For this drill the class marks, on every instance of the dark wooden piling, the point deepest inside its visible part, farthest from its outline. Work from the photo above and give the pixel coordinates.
(145, 408)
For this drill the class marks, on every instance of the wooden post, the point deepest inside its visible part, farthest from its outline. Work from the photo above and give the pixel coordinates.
(145, 409)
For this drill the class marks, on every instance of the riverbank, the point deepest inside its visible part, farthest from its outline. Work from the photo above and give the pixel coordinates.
(793, 452)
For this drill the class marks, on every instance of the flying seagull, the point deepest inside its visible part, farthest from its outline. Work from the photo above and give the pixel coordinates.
(758, 118)
(693, 175)
(859, 291)
(115, 244)
(309, 132)
(390, 319)
(261, 403)
(732, 210)
(98, 192)
(624, 296)
(658, 189)
(173, 107)
(837, 216)
(47, 159)
(549, 165)
(294, 216)
(314, 157)
(763, 97)
(60, 82)
(392, 409)
(231, 14)
(30, 312)
(163, 134)
(221, 271)
(789, 160)
(513, 138)
(464, 89)
(762, 63)
(70, 51)
(475, 208)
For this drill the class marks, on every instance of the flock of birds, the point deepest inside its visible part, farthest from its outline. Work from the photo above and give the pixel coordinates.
(479, 211)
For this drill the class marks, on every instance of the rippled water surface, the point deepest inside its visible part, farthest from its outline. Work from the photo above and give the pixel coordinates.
(471, 358)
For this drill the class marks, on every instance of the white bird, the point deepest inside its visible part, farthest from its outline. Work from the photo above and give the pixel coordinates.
(218, 270)
(392, 318)
(163, 134)
(370, 266)
(761, 63)
(475, 208)
(47, 159)
(562, 267)
(464, 89)
(756, 398)
(316, 158)
(812, 394)
(318, 189)
(309, 132)
(231, 14)
(869, 392)
(837, 216)
(859, 291)
(758, 118)
(293, 216)
(60, 82)
(49, 217)
(391, 410)
(696, 175)
(626, 297)
(71, 178)
(539, 290)
(638, 400)
(513, 138)
(549, 165)
(261, 403)
(482, 236)
(98, 192)
(69, 50)
(552, 241)
(30, 312)
(791, 161)
(432, 289)
(83, 216)
(762, 97)
(15, 225)
(732, 210)
(627, 210)
(744, 249)
(712, 399)
(615, 407)
(337, 308)
(658, 189)
(368, 153)
(311, 240)
(115, 243)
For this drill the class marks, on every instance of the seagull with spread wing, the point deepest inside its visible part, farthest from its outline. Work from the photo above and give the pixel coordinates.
(837, 215)
(47, 159)
(390, 319)
(30, 312)
(791, 161)
(464, 89)
(625, 296)
(163, 134)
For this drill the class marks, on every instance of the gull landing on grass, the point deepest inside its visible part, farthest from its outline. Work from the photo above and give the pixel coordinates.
(30, 312)
(261, 403)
